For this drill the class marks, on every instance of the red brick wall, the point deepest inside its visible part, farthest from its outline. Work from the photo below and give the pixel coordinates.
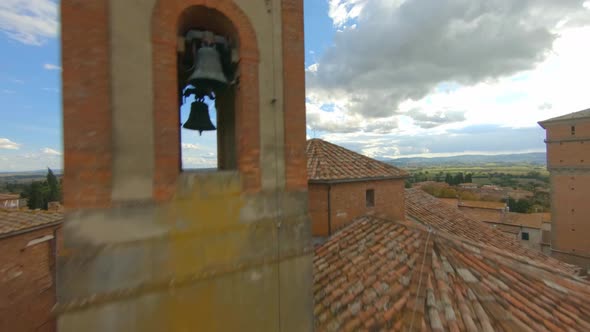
(568, 161)
(294, 95)
(347, 202)
(563, 130)
(568, 154)
(27, 282)
(570, 211)
(318, 209)
(86, 104)
(165, 26)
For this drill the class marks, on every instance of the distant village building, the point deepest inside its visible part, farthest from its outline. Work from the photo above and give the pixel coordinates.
(12, 201)
(468, 185)
(568, 161)
(524, 227)
(344, 185)
(28, 245)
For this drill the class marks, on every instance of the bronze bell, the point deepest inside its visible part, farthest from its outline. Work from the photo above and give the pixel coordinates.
(208, 72)
(199, 119)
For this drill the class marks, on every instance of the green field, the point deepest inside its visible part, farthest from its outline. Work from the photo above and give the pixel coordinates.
(481, 171)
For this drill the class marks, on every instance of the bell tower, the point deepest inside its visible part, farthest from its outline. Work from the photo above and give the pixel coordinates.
(146, 245)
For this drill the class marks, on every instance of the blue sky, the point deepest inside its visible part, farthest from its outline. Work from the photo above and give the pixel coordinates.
(387, 78)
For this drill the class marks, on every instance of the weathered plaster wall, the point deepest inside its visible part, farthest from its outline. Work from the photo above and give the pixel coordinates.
(212, 259)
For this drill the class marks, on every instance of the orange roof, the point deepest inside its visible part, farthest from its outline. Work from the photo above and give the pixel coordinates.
(450, 201)
(379, 275)
(430, 211)
(329, 162)
(530, 220)
(483, 204)
(9, 197)
(13, 221)
(486, 215)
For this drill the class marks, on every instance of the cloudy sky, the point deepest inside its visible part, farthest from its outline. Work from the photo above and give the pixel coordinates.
(387, 78)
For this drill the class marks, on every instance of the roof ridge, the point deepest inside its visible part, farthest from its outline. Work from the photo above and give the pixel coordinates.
(583, 114)
(331, 162)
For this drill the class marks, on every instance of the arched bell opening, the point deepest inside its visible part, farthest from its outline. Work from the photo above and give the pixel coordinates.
(207, 71)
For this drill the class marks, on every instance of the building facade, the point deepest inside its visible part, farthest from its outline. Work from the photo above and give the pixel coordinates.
(12, 201)
(568, 161)
(344, 185)
(28, 243)
(147, 246)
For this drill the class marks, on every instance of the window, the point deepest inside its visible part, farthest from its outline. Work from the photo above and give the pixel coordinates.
(370, 197)
(573, 130)
(207, 90)
(524, 236)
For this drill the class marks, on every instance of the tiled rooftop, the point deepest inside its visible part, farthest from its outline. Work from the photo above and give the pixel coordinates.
(8, 196)
(430, 211)
(483, 204)
(571, 116)
(378, 275)
(330, 162)
(13, 221)
(530, 220)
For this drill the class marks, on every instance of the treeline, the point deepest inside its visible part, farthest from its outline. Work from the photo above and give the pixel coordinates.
(39, 193)
(449, 178)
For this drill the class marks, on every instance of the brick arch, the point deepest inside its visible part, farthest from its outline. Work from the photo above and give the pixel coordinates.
(165, 25)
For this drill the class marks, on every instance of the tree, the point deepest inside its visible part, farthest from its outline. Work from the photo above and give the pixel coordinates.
(39, 193)
(520, 206)
(36, 195)
(449, 179)
(458, 179)
(468, 178)
(54, 191)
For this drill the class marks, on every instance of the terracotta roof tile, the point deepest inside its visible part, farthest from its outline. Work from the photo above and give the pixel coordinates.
(13, 221)
(330, 162)
(8, 196)
(483, 204)
(434, 281)
(430, 211)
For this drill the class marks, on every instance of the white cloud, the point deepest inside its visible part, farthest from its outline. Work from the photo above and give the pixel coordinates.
(342, 11)
(192, 146)
(29, 161)
(199, 155)
(56, 90)
(49, 66)
(51, 152)
(440, 80)
(7, 144)
(402, 50)
(31, 22)
(8, 92)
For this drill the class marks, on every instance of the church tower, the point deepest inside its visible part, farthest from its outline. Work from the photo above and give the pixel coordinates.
(568, 161)
(148, 245)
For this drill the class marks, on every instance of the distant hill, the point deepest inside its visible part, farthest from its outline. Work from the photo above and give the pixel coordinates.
(27, 176)
(535, 158)
(30, 173)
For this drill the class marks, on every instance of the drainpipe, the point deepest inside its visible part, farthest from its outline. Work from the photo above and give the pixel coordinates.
(329, 211)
